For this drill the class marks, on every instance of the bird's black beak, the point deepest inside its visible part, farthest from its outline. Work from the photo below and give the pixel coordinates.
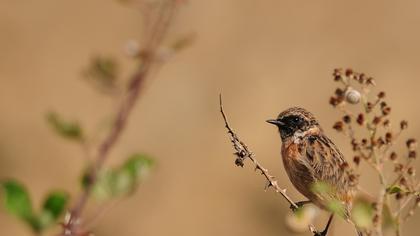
(275, 122)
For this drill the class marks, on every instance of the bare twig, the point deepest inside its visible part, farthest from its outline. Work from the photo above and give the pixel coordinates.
(242, 153)
(154, 38)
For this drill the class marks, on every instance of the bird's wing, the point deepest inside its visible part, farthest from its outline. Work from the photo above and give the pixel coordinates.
(325, 159)
(327, 162)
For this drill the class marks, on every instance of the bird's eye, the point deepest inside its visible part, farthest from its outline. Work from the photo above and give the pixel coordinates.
(296, 119)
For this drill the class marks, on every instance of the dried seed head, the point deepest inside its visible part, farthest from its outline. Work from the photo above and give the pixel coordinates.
(356, 160)
(393, 156)
(412, 154)
(334, 101)
(411, 171)
(339, 126)
(411, 144)
(364, 142)
(388, 137)
(337, 75)
(383, 104)
(337, 78)
(349, 72)
(370, 81)
(386, 111)
(352, 96)
(339, 92)
(381, 95)
(403, 124)
(347, 119)
(386, 123)
(360, 119)
(376, 120)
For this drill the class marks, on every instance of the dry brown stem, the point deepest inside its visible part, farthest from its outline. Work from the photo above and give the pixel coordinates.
(158, 29)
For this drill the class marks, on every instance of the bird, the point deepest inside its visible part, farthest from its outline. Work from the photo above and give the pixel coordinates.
(310, 158)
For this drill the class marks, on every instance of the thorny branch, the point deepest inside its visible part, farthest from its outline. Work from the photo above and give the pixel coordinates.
(242, 153)
(153, 40)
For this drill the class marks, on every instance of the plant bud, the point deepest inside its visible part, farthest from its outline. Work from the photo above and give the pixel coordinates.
(334, 101)
(381, 95)
(393, 156)
(386, 111)
(360, 119)
(339, 126)
(376, 120)
(388, 137)
(347, 119)
(411, 171)
(356, 160)
(403, 124)
(411, 144)
(412, 154)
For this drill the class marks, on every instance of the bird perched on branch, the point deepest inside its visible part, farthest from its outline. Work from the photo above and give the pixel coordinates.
(312, 159)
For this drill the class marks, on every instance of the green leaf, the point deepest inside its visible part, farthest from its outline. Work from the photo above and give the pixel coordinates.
(103, 188)
(18, 203)
(102, 72)
(394, 189)
(138, 165)
(70, 130)
(121, 180)
(35, 223)
(55, 203)
(362, 214)
(17, 200)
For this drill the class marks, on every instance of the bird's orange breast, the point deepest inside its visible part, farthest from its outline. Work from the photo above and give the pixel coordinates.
(290, 151)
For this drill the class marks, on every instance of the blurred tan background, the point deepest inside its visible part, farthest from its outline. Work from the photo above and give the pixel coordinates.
(264, 56)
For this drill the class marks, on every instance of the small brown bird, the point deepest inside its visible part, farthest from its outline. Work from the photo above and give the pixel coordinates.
(310, 158)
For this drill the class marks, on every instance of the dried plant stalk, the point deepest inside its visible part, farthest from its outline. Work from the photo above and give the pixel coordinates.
(158, 25)
(375, 148)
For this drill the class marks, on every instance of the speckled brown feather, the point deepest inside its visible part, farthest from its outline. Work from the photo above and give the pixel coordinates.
(309, 156)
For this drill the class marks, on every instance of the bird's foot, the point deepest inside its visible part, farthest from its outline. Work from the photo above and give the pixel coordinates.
(323, 233)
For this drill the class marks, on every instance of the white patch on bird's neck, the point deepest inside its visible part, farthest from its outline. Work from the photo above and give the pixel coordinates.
(299, 135)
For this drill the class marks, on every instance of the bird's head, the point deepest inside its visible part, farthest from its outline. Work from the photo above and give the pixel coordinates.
(294, 120)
